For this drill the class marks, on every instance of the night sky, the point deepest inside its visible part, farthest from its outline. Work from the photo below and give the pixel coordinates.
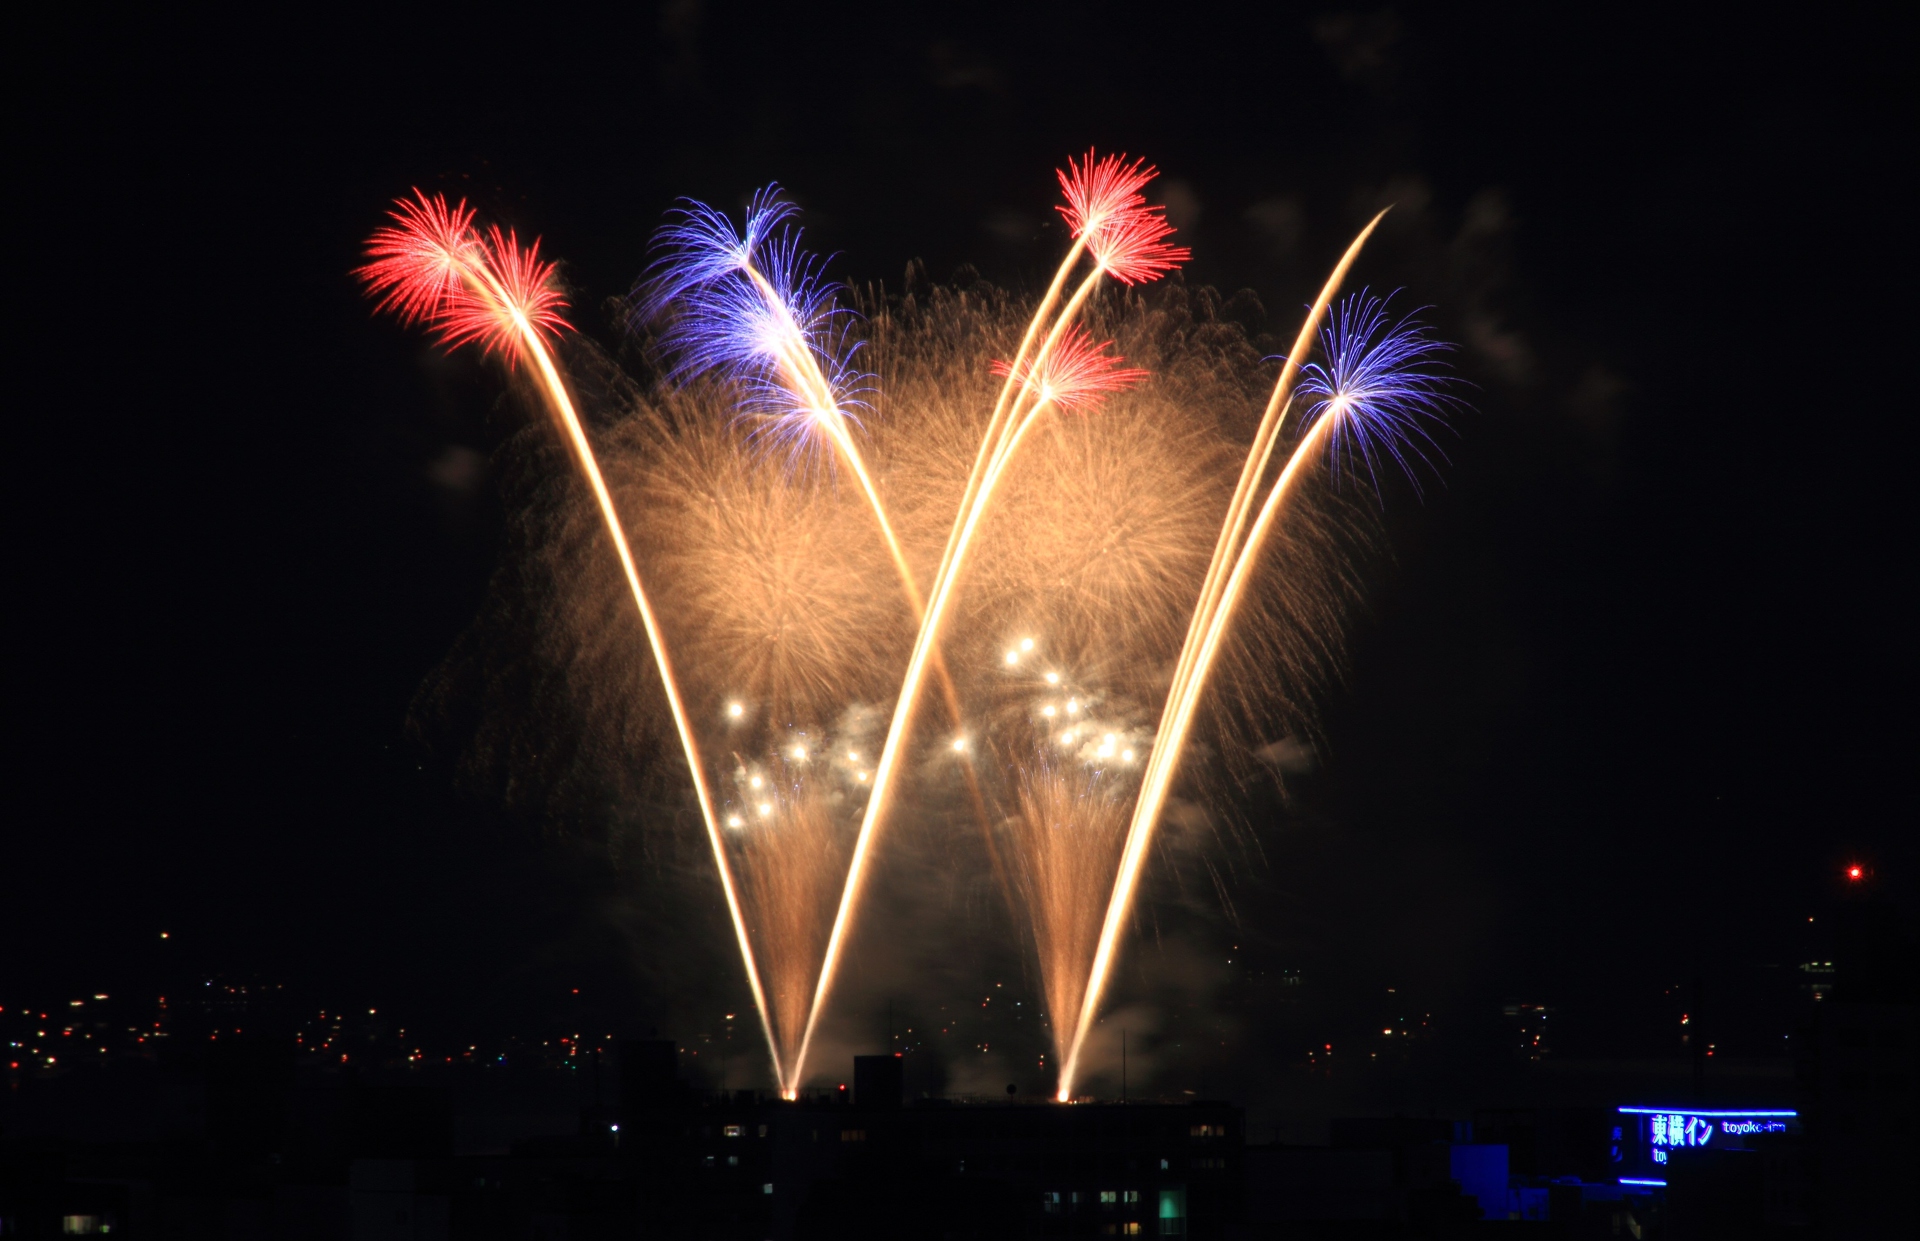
(1632, 684)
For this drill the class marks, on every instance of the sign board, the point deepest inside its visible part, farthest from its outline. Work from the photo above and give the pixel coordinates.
(1644, 1138)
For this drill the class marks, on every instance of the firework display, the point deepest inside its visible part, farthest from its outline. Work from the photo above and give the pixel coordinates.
(1029, 528)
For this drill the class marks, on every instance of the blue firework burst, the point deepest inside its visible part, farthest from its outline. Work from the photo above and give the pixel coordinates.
(1384, 383)
(752, 307)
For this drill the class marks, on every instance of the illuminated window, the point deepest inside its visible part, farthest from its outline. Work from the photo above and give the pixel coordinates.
(767, 1188)
(1173, 1212)
(81, 1225)
(1109, 1197)
(1132, 1195)
(1208, 1131)
(732, 1131)
(1050, 1202)
(853, 1135)
(709, 1161)
(1130, 1229)
(733, 1161)
(763, 1131)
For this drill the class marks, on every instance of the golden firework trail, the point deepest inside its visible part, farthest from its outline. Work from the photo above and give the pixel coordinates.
(434, 266)
(1226, 579)
(1127, 240)
(801, 371)
(563, 409)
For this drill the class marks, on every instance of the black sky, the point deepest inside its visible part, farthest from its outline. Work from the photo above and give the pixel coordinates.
(1632, 683)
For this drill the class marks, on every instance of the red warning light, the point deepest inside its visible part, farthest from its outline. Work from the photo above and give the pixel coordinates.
(1855, 873)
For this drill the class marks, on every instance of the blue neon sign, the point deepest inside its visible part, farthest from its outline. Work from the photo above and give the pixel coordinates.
(1659, 1131)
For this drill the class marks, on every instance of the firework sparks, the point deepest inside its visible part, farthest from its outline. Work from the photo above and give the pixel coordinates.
(1066, 837)
(753, 306)
(1104, 206)
(750, 305)
(1110, 189)
(1379, 386)
(1171, 738)
(1082, 550)
(1374, 393)
(1106, 212)
(430, 266)
(1076, 374)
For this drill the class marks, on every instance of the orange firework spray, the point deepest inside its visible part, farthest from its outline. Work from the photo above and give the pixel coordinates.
(751, 304)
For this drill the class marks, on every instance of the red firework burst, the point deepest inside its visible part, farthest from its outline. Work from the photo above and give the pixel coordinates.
(516, 292)
(1125, 235)
(414, 264)
(1078, 373)
(432, 266)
